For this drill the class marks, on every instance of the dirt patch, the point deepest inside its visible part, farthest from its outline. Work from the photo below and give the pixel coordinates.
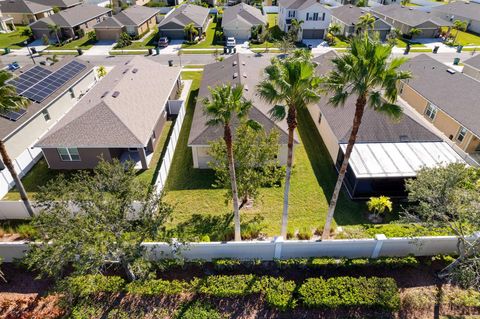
(29, 306)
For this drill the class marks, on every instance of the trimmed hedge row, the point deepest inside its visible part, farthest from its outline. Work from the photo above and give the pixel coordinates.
(381, 293)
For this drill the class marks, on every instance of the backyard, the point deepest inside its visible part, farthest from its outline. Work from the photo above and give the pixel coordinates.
(13, 40)
(275, 33)
(210, 40)
(150, 42)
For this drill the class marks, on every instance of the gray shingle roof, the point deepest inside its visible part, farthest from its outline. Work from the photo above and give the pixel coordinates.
(59, 3)
(349, 15)
(409, 15)
(470, 10)
(245, 12)
(297, 4)
(101, 120)
(132, 16)
(22, 6)
(475, 61)
(185, 14)
(375, 127)
(456, 94)
(72, 17)
(249, 71)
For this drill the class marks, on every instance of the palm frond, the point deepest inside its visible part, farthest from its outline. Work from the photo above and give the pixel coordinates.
(278, 112)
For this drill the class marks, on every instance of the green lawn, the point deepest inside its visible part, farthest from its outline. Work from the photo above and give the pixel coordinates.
(340, 43)
(276, 33)
(467, 38)
(191, 191)
(13, 40)
(82, 43)
(149, 43)
(402, 43)
(209, 41)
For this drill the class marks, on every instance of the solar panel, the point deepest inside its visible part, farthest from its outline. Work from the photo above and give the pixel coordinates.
(13, 115)
(29, 78)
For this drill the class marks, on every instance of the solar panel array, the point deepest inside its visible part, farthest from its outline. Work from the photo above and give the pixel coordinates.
(29, 78)
(14, 115)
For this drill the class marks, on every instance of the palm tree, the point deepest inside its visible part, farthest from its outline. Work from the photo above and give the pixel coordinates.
(225, 104)
(414, 32)
(459, 26)
(55, 28)
(334, 29)
(363, 72)
(265, 36)
(285, 45)
(295, 28)
(54, 59)
(11, 101)
(362, 3)
(190, 31)
(290, 85)
(366, 22)
(404, 2)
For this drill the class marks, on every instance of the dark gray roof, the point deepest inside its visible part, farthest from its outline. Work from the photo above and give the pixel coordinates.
(7, 127)
(455, 94)
(127, 119)
(243, 11)
(409, 15)
(132, 16)
(72, 17)
(297, 4)
(185, 14)
(249, 71)
(469, 10)
(349, 15)
(475, 61)
(22, 6)
(59, 3)
(376, 127)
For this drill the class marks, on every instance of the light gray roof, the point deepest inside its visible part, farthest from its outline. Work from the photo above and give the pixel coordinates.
(349, 15)
(22, 6)
(455, 94)
(376, 127)
(475, 61)
(185, 14)
(132, 16)
(297, 4)
(72, 17)
(59, 3)
(127, 120)
(249, 71)
(469, 10)
(409, 15)
(245, 12)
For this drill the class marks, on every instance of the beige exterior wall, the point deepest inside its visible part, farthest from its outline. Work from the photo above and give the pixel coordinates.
(89, 158)
(471, 71)
(328, 137)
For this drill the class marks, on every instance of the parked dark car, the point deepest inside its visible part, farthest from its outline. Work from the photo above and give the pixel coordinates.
(163, 42)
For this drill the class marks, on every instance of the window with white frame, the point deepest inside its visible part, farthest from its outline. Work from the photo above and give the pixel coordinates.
(69, 154)
(461, 134)
(431, 111)
(291, 14)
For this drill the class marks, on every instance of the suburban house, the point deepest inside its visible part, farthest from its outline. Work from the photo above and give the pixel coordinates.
(121, 117)
(6, 23)
(238, 20)
(175, 21)
(406, 18)
(234, 70)
(446, 98)
(72, 22)
(24, 11)
(61, 4)
(53, 91)
(135, 20)
(315, 16)
(347, 18)
(472, 67)
(386, 151)
(460, 10)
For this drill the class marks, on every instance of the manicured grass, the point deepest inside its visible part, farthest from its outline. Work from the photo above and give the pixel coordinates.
(412, 5)
(467, 38)
(59, 53)
(275, 32)
(149, 43)
(82, 43)
(194, 66)
(402, 43)
(312, 183)
(339, 43)
(13, 40)
(209, 41)
(187, 51)
(120, 52)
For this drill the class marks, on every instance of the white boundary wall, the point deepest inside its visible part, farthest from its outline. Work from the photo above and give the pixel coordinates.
(270, 9)
(279, 249)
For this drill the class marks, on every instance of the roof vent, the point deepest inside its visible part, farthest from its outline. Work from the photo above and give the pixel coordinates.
(350, 6)
(243, 62)
(404, 138)
(125, 71)
(234, 63)
(126, 62)
(235, 75)
(116, 94)
(410, 8)
(363, 11)
(451, 71)
(104, 94)
(244, 74)
(135, 70)
(245, 87)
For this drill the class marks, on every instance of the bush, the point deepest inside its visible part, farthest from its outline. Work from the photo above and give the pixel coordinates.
(229, 264)
(85, 311)
(304, 234)
(278, 292)
(454, 296)
(228, 286)
(27, 231)
(84, 286)
(199, 310)
(396, 262)
(124, 41)
(157, 287)
(339, 292)
(417, 299)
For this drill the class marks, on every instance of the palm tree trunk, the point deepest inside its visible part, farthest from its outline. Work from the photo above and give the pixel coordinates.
(233, 180)
(292, 124)
(18, 183)
(357, 120)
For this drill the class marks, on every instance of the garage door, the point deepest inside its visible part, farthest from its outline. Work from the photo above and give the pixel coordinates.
(106, 34)
(313, 34)
(173, 34)
(237, 34)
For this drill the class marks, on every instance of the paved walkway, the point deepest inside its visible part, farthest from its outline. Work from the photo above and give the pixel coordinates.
(100, 48)
(243, 48)
(37, 44)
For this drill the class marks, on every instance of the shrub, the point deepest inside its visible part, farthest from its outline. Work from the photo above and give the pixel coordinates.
(458, 297)
(85, 311)
(124, 41)
(304, 234)
(278, 292)
(84, 286)
(291, 263)
(290, 234)
(228, 286)
(396, 262)
(27, 231)
(199, 310)
(415, 299)
(205, 238)
(92, 36)
(229, 264)
(323, 261)
(338, 292)
(157, 287)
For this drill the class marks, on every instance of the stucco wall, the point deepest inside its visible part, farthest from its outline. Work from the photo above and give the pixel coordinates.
(329, 139)
(89, 158)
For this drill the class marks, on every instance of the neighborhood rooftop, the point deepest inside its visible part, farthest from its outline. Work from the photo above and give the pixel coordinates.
(474, 62)
(245, 12)
(59, 3)
(185, 14)
(73, 16)
(349, 14)
(453, 92)
(23, 6)
(409, 15)
(132, 16)
(466, 9)
(297, 4)
(120, 110)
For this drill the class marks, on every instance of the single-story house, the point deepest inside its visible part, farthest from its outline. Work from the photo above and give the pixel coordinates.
(235, 70)
(71, 21)
(315, 15)
(121, 117)
(238, 20)
(22, 129)
(386, 151)
(6, 23)
(347, 18)
(172, 26)
(406, 18)
(25, 11)
(472, 67)
(446, 98)
(135, 21)
(61, 4)
(468, 11)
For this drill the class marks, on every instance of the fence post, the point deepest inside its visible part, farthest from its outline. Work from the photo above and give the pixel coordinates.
(378, 245)
(278, 240)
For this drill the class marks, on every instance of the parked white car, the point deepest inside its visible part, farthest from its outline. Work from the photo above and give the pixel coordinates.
(231, 42)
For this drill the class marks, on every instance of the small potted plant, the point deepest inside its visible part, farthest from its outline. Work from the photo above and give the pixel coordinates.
(377, 207)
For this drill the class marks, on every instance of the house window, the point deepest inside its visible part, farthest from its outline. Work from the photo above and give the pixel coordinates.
(431, 111)
(69, 154)
(315, 16)
(461, 134)
(46, 115)
(323, 17)
(291, 14)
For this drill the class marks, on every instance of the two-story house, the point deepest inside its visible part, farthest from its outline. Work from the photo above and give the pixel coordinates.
(315, 16)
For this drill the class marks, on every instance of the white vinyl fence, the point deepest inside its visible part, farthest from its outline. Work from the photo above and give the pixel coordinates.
(280, 249)
(270, 9)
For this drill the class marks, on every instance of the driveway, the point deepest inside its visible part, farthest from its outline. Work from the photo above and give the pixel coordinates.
(37, 44)
(102, 47)
(173, 47)
(319, 46)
